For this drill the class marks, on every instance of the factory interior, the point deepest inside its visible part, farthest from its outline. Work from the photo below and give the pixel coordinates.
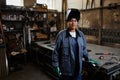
(28, 30)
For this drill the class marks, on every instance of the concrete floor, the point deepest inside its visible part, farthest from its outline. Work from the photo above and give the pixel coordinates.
(29, 72)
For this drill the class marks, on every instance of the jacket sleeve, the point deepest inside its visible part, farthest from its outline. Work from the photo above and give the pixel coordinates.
(85, 52)
(56, 51)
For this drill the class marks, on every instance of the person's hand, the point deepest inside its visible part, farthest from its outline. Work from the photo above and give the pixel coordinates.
(57, 71)
(94, 62)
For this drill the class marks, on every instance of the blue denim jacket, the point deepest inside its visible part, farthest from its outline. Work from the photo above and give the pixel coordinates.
(63, 56)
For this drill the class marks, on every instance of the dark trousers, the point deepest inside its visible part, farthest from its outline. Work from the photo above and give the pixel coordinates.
(76, 77)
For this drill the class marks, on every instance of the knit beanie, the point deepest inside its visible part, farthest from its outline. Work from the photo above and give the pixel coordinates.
(72, 13)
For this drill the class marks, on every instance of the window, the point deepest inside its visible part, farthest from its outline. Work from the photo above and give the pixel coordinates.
(14, 2)
(48, 2)
(52, 4)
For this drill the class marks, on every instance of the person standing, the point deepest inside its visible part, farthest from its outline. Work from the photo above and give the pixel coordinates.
(70, 49)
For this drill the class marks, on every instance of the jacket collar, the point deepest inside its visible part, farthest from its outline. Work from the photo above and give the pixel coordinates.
(77, 32)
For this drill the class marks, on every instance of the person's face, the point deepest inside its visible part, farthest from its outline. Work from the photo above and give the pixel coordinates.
(72, 24)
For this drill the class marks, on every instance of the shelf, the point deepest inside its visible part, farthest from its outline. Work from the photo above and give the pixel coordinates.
(14, 31)
(19, 18)
(12, 10)
(12, 21)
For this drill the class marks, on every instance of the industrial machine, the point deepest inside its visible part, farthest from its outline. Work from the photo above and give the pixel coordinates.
(108, 71)
(103, 67)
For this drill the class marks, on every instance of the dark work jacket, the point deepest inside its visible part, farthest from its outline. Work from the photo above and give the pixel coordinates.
(63, 56)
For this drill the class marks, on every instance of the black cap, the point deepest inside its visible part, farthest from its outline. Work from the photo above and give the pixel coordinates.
(72, 13)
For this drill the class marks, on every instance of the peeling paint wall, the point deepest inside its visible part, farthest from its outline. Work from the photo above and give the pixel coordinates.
(107, 2)
(91, 18)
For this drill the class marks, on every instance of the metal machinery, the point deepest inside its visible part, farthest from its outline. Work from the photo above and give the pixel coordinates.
(107, 69)
(3, 57)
